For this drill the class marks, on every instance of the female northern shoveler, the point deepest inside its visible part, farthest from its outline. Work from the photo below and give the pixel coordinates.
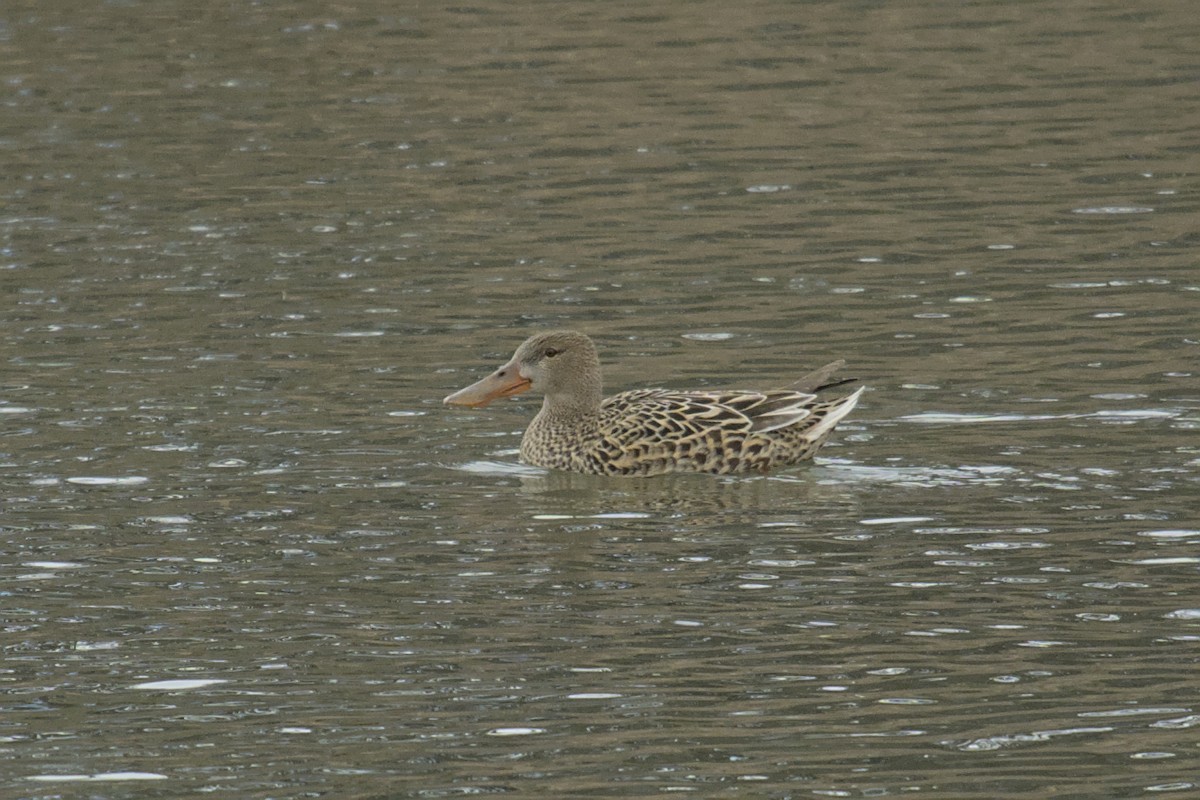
(652, 431)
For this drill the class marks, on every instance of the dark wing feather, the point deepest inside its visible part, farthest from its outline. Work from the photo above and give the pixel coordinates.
(818, 379)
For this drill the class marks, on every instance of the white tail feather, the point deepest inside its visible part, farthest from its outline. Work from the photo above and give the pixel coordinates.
(835, 415)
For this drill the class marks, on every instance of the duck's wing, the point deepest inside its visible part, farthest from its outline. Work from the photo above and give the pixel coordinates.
(655, 430)
(661, 414)
(649, 431)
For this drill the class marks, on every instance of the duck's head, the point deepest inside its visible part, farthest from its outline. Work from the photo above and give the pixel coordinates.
(562, 365)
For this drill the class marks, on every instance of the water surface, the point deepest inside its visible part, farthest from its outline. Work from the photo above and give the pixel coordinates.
(247, 249)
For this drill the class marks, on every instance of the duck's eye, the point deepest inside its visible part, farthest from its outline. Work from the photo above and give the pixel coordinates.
(551, 352)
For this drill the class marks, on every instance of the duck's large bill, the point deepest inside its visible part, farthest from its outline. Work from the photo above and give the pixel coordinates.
(504, 382)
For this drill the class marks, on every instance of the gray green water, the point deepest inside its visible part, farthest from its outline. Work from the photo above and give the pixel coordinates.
(246, 248)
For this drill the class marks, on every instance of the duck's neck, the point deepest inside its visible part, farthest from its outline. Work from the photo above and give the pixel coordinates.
(582, 403)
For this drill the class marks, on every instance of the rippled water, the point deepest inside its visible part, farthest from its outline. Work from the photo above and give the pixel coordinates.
(247, 249)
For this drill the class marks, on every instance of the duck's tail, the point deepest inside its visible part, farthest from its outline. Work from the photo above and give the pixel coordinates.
(832, 413)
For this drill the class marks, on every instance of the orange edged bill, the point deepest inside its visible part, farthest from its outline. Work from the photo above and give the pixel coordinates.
(504, 382)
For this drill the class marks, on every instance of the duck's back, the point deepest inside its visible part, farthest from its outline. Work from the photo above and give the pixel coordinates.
(653, 431)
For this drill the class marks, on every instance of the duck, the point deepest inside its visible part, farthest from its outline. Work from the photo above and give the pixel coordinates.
(655, 431)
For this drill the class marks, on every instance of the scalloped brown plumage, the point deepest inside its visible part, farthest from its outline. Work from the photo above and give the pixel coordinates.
(652, 431)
